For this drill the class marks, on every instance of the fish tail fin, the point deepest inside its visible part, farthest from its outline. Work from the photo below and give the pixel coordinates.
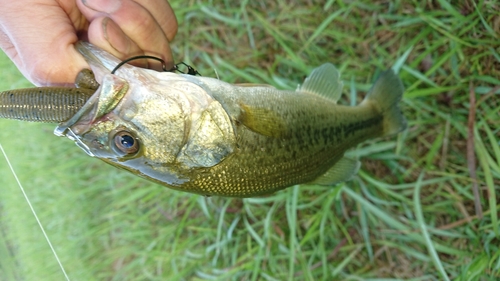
(386, 93)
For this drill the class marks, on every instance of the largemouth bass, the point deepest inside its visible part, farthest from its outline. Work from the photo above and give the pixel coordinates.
(205, 136)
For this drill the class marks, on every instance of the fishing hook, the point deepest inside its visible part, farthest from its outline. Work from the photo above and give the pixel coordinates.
(190, 71)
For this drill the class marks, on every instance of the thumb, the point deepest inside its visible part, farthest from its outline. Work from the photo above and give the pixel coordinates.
(43, 46)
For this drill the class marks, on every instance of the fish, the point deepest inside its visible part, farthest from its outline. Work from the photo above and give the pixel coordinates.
(202, 135)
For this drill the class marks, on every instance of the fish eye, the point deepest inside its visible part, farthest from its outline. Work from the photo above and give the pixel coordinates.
(125, 142)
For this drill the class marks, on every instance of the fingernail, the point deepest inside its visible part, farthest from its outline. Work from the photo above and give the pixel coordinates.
(104, 6)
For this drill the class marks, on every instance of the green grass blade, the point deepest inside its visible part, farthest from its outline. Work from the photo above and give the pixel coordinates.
(420, 218)
(488, 177)
(401, 61)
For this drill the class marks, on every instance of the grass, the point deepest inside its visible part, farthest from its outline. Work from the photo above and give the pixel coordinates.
(408, 215)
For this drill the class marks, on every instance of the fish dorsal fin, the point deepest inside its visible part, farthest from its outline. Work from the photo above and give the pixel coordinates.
(324, 81)
(253, 85)
(342, 171)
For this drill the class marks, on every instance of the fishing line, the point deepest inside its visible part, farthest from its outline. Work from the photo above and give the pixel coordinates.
(34, 213)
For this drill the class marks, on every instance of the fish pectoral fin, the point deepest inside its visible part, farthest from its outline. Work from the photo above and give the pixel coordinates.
(262, 121)
(342, 171)
(323, 81)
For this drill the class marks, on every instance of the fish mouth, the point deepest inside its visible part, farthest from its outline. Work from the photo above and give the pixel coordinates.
(101, 62)
(105, 99)
(81, 121)
(97, 107)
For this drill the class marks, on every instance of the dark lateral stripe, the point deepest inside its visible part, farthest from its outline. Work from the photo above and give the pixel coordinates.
(350, 129)
(336, 133)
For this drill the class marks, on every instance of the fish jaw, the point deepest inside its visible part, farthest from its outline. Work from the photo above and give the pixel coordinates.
(100, 61)
(104, 100)
(103, 63)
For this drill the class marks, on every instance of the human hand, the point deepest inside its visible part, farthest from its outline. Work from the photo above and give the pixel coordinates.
(39, 35)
